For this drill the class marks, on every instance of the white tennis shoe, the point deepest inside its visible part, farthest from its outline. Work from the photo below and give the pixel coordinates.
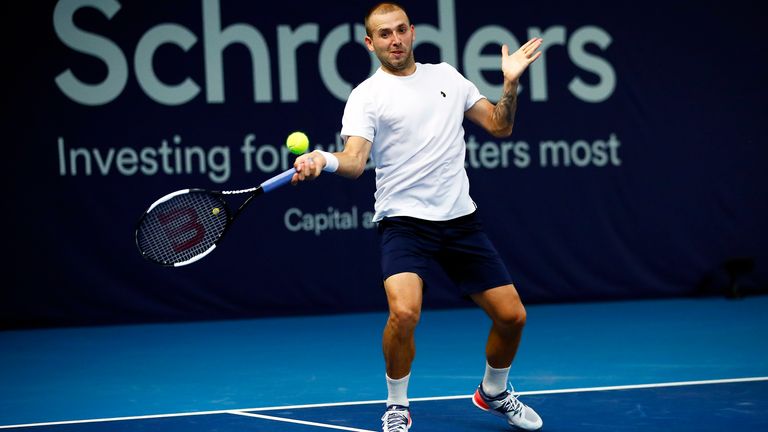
(396, 419)
(506, 405)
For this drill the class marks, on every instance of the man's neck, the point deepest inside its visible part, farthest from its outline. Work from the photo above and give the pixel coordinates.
(410, 70)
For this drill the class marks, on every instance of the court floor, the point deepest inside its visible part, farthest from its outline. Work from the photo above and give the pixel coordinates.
(676, 365)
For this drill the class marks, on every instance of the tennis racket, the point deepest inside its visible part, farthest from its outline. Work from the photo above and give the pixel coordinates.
(185, 226)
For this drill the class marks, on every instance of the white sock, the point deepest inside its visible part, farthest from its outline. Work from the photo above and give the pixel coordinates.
(397, 391)
(495, 380)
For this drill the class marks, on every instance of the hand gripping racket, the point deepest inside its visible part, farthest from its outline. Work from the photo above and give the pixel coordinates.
(185, 226)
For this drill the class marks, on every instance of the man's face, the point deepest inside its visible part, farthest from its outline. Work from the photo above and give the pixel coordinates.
(392, 41)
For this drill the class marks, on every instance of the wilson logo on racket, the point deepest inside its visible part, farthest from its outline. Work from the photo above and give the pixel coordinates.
(184, 226)
(177, 230)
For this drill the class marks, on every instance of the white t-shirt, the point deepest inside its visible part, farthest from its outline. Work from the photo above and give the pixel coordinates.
(415, 125)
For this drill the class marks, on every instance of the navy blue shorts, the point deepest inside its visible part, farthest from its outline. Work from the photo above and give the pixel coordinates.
(457, 247)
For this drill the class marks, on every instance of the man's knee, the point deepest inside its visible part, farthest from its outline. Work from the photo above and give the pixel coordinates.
(404, 295)
(504, 306)
(512, 315)
(403, 319)
(508, 310)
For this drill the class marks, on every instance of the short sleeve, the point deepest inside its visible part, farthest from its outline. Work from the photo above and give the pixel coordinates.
(358, 118)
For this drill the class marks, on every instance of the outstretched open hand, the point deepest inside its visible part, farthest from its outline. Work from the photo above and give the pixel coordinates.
(515, 64)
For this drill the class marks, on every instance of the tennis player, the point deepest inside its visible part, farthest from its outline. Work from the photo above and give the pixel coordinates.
(408, 118)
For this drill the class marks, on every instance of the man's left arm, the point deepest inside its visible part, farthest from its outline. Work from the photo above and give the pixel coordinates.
(498, 119)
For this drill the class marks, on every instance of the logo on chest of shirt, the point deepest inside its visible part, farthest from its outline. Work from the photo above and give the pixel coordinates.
(442, 93)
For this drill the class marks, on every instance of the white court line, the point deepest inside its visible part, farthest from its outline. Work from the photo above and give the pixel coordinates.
(612, 388)
(301, 422)
(423, 399)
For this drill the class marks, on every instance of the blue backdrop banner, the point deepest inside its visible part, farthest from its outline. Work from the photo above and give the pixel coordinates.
(636, 168)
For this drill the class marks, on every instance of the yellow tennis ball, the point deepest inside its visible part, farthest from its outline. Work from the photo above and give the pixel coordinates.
(297, 143)
(215, 211)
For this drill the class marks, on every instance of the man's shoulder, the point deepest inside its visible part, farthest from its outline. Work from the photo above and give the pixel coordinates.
(442, 66)
(367, 84)
(441, 69)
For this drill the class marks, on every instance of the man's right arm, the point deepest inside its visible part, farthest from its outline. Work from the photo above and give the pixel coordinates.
(352, 161)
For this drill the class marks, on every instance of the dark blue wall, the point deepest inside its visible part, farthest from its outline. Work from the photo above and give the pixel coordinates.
(636, 169)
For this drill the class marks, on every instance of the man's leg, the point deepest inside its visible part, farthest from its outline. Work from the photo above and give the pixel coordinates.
(404, 296)
(504, 307)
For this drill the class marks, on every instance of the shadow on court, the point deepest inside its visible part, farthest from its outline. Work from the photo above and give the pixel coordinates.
(701, 407)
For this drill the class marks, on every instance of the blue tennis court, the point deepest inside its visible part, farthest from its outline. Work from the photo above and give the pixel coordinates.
(678, 365)
(617, 166)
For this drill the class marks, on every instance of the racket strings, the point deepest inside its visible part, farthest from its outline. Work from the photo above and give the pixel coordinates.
(182, 227)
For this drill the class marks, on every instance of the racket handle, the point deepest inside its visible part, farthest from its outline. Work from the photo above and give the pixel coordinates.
(281, 179)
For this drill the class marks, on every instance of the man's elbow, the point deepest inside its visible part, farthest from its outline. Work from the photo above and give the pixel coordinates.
(354, 172)
(501, 132)
(359, 170)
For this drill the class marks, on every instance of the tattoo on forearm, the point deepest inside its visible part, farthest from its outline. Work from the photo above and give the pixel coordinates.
(504, 113)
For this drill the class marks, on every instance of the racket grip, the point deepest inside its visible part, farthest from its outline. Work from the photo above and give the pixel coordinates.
(281, 179)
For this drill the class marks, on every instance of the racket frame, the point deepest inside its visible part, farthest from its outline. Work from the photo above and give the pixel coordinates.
(267, 186)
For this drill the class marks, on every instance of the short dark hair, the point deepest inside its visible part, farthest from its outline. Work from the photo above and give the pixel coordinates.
(382, 7)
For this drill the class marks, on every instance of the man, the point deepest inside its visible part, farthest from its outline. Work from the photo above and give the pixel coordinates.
(408, 118)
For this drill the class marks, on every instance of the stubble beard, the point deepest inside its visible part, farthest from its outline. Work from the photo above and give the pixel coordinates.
(397, 66)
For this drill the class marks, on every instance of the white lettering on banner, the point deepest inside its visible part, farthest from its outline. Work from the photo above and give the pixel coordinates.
(92, 44)
(591, 63)
(149, 161)
(145, 74)
(492, 154)
(580, 153)
(332, 219)
(217, 38)
(266, 157)
(216, 162)
(176, 159)
(288, 42)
